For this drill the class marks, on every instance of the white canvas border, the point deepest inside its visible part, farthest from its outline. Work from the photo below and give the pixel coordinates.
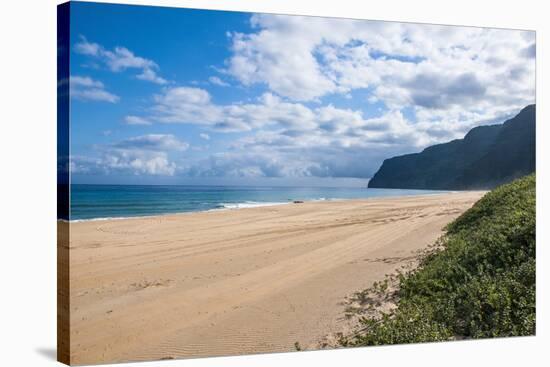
(28, 151)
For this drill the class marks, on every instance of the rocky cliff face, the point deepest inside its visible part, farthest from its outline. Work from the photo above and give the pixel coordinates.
(486, 157)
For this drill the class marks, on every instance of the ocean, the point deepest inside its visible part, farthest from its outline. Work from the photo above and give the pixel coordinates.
(121, 201)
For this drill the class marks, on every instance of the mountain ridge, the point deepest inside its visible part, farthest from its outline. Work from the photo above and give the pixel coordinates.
(487, 156)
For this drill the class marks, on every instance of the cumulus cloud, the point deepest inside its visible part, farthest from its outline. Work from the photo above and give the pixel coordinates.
(292, 139)
(324, 141)
(186, 105)
(343, 144)
(152, 142)
(189, 105)
(279, 156)
(530, 51)
(136, 120)
(449, 79)
(137, 162)
(421, 85)
(87, 89)
(406, 65)
(145, 154)
(217, 81)
(262, 57)
(120, 59)
(463, 89)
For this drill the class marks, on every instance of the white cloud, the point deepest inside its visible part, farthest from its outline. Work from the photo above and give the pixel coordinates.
(145, 154)
(194, 106)
(87, 89)
(151, 76)
(187, 105)
(217, 81)
(136, 120)
(120, 59)
(137, 162)
(425, 67)
(87, 48)
(256, 164)
(321, 141)
(204, 136)
(265, 57)
(82, 164)
(429, 84)
(153, 142)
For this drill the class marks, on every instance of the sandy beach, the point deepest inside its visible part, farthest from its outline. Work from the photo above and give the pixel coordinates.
(240, 281)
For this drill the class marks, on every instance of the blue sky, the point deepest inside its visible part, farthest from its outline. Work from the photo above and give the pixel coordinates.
(179, 96)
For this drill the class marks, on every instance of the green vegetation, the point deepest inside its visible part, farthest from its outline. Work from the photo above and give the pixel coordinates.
(479, 281)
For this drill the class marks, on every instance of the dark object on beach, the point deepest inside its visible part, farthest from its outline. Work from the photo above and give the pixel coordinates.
(487, 156)
(298, 202)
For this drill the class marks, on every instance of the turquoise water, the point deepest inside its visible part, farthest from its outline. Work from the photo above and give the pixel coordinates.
(116, 201)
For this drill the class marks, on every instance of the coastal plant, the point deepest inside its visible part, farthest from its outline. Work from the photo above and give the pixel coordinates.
(477, 281)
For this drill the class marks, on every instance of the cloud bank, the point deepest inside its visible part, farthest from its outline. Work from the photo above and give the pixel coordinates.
(409, 86)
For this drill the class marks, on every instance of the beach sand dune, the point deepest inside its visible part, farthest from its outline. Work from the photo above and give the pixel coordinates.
(241, 281)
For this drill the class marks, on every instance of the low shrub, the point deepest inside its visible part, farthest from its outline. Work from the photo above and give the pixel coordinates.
(479, 283)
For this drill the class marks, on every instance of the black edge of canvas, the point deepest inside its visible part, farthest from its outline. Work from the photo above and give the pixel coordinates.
(63, 183)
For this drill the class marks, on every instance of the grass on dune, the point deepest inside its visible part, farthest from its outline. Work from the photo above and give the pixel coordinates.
(479, 282)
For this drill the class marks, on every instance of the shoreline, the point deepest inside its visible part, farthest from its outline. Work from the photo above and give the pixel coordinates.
(180, 286)
(267, 204)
